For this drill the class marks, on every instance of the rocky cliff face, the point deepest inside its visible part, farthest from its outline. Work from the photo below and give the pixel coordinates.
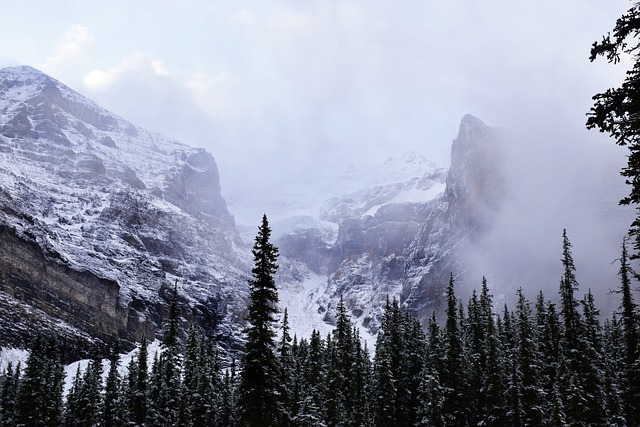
(475, 190)
(385, 247)
(98, 217)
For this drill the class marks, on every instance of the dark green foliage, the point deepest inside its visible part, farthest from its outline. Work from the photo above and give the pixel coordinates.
(453, 378)
(39, 400)
(89, 395)
(167, 379)
(8, 395)
(615, 111)
(516, 369)
(628, 345)
(113, 414)
(260, 390)
(138, 387)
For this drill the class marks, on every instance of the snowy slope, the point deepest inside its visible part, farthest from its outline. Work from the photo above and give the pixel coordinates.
(100, 195)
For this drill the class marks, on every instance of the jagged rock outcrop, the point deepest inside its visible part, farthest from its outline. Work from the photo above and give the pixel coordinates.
(475, 189)
(407, 250)
(98, 218)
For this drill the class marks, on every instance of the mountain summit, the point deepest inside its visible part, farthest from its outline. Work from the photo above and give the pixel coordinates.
(99, 217)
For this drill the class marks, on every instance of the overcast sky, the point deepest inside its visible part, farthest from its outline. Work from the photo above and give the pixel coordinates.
(274, 89)
(316, 82)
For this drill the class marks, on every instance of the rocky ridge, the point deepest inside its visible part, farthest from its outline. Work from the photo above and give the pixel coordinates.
(100, 217)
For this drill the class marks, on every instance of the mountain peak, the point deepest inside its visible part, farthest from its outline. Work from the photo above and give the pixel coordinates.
(24, 75)
(470, 122)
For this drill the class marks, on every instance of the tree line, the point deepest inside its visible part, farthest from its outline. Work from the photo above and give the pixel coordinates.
(538, 363)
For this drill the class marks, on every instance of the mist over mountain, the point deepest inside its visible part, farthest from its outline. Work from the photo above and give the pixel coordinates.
(99, 218)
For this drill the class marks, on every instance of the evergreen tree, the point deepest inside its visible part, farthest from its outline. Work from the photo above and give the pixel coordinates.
(631, 340)
(612, 354)
(615, 111)
(386, 383)
(495, 411)
(476, 359)
(139, 402)
(362, 387)
(549, 331)
(259, 390)
(287, 373)
(89, 396)
(453, 379)
(582, 374)
(8, 395)
(40, 391)
(227, 415)
(593, 366)
(193, 403)
(168, 377)
(71, 417)
(312, 405)
(528, 365)
(568, 302)
(112, 414)
(431, 394)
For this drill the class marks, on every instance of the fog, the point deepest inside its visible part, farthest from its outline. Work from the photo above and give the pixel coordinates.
(576, 188)
(275, 89)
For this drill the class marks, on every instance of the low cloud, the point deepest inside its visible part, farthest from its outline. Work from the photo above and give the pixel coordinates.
(137, 63)
(73, 44)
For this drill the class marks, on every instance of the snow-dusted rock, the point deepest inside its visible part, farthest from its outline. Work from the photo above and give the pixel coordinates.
(100, 217)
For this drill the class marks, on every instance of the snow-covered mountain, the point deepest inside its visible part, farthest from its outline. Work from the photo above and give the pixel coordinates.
(99, 218)
(403, 234)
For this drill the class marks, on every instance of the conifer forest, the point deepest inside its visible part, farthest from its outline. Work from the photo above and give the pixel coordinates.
(537, 363)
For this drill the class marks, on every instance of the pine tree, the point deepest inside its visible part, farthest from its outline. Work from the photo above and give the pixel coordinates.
(413, 363)
(169, 370)
(613, 356)
(568, 302)
(8, 395)
(40, 391)
(139, 402)
(89, 396)
(593, 364)
(227, 415)
(549, 330)
(112, 414)
(615, 111)
(495, 411)
(453, 379)
(494, 384)
(631, 340)
(362, 387)
(582, 375)
(528, 365)
(71, 417)
(192, 405)
(386, 383)
(432, 393)
(476, 359)
(287, 374)
(312, 406)
(259, 391)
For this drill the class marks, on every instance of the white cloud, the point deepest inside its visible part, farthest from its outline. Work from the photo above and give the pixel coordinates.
(137, 63)
(218, 94)
(74, 43)
(159, 68)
